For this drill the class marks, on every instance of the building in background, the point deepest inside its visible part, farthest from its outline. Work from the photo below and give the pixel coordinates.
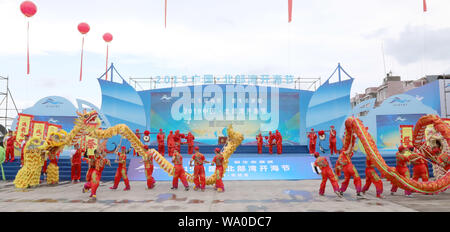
(392, 85)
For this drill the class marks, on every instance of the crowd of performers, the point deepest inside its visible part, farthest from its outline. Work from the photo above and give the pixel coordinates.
(273, 139)
(404, 157)
(98, 160)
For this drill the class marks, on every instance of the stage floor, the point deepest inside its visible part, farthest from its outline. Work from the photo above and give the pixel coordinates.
(240, 196)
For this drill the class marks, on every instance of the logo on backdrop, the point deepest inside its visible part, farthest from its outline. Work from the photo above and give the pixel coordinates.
(213, 103)
(397, 101)
(51, 103)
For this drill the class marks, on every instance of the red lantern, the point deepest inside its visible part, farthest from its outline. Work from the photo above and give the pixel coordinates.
(107, 37)
(29, 9)
(83, 28)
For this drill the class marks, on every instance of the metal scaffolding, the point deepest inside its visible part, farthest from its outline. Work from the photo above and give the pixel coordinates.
(5, 106)
(149, 83)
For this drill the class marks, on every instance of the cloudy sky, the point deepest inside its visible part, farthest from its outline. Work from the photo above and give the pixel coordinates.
(220, 37)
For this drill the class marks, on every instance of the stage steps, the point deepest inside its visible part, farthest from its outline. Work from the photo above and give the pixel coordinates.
(11, 169)
(65, 169)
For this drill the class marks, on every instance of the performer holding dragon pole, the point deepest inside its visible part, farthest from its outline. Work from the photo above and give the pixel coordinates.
(179, 173)
(122, 171)
(372, 177)
(199, 170)
(349, 171)
(95, 175)
(327, 174)
(218, 160)
(160, 138)
(420, 168)
(147, 159)
(402, 168)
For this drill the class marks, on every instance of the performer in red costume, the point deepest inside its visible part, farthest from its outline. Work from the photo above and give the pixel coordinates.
(312, 141)
(103, 161)
(10, 147)
(190, 142)
(92, 177)
(349, 172)
(327, 174)
(333, 149)
(177, 160)
(75, 160)
(259, 142)
(160, 138)
(279, 142)
(443, 159)
(121, 171)
(270, 141)
(139, 137)
(199, 170)
(170, 143)
(402, 168)
(218, 160)
(420, 168)
(372, 177)
(91, 165)
(177, 138)
(147, 159)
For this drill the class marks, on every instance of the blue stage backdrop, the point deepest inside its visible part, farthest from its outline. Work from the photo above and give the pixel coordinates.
(388, 129)
(207, 110)
(256, 168)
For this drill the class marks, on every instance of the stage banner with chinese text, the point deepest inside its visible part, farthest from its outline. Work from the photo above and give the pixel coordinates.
(406, 134)
(90, 144)
(23, 128)
(39, 129)
(248, 168)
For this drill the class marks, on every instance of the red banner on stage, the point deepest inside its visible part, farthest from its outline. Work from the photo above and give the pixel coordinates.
(39, 129)
(406, 132)
(23, 128)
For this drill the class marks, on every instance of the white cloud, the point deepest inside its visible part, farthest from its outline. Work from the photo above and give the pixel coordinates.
(213, 36)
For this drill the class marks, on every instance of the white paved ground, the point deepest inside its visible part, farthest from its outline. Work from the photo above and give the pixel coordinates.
(240, 196)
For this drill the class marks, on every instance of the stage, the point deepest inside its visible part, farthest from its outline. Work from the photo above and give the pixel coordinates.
(242, 166)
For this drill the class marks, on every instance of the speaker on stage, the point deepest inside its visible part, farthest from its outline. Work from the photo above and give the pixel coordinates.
(222, 140)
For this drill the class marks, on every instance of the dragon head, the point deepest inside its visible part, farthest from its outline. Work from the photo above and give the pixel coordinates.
(87, 118)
